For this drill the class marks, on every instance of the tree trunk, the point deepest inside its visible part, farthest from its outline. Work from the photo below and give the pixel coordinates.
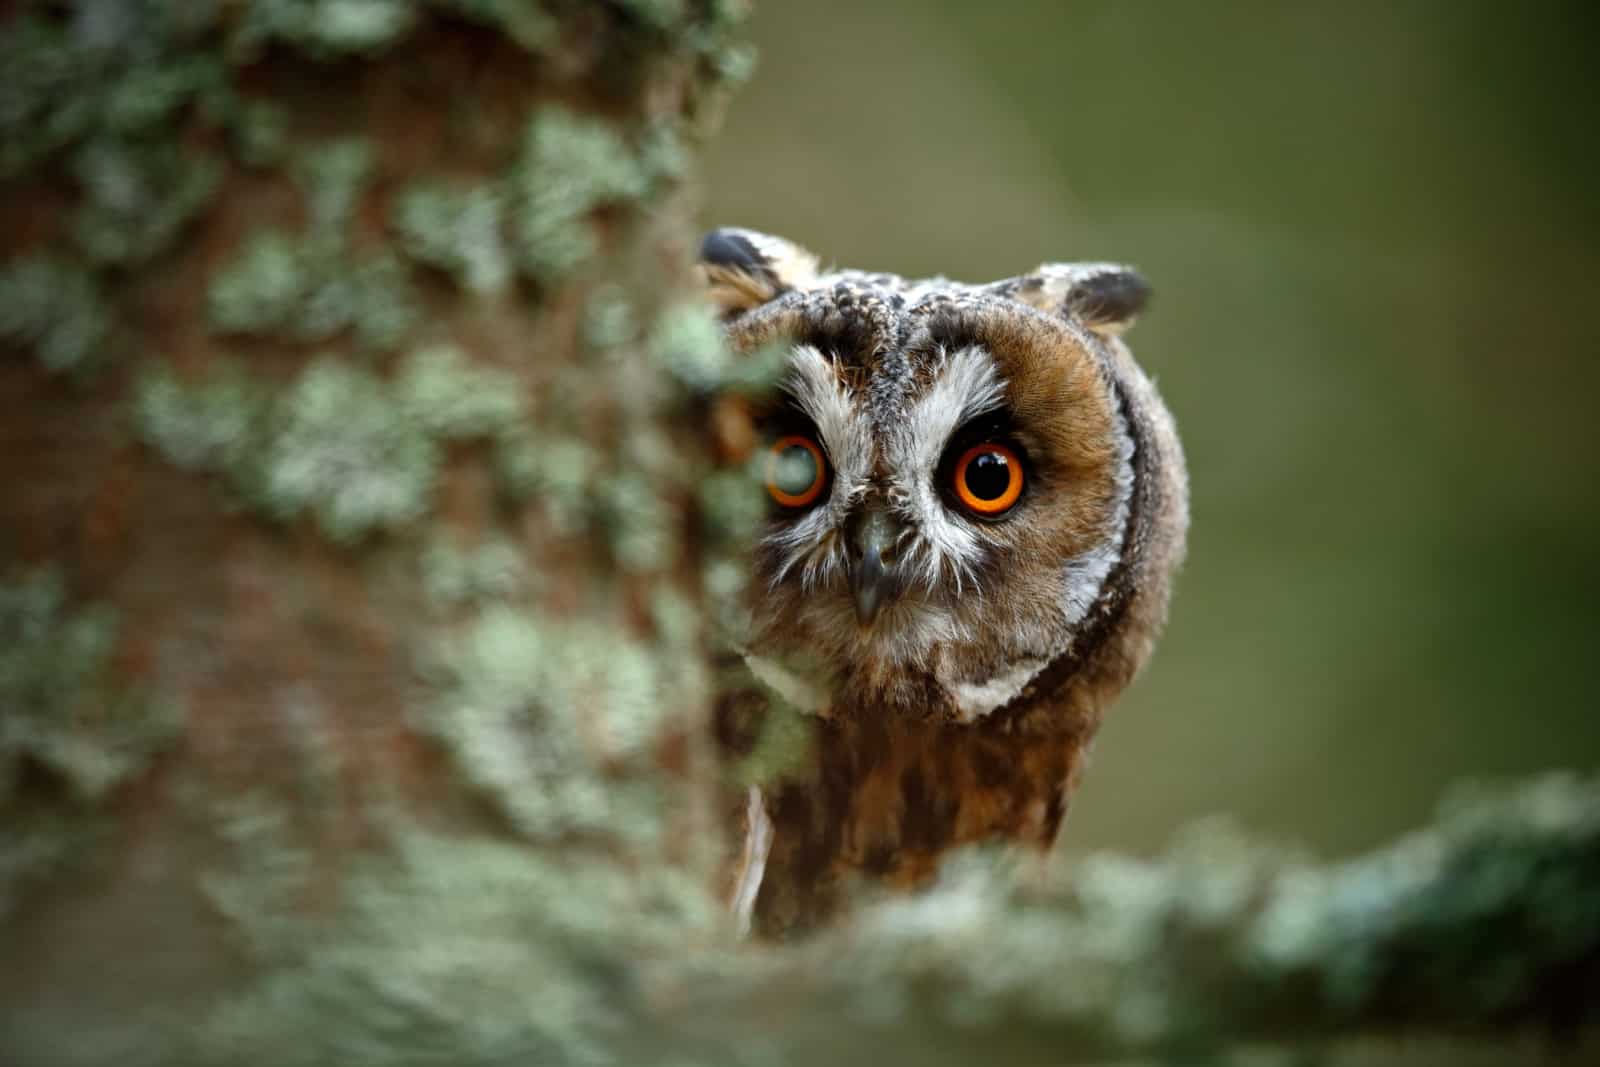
(355, 523)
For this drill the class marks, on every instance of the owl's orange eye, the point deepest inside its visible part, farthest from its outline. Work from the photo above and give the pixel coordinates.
(796, 471)
(988, 478)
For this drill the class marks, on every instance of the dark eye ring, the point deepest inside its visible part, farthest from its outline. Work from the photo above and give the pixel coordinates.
(797, 471)
(987, 479)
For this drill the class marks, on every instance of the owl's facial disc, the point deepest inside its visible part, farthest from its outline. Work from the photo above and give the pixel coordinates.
(948, 501)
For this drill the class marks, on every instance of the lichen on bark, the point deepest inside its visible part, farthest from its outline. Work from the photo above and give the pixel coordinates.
(415, 550)
(70, 732)
(55, 308)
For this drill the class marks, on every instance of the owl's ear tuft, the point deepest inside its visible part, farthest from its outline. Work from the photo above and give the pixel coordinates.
(744, 269)
(1105, 297)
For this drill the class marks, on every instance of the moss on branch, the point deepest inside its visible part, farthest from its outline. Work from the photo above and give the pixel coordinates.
(1477, 926)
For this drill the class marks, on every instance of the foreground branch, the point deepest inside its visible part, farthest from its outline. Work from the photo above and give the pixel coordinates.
(1484, 923)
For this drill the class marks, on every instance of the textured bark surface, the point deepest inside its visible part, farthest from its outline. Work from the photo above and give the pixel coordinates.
(356, 506)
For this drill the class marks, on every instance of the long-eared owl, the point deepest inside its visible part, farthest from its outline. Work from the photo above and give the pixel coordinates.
(978, 502)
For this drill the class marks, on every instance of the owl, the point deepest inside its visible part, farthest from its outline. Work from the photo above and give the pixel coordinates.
(977, 505)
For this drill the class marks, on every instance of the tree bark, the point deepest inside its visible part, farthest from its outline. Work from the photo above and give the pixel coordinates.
(356, 521)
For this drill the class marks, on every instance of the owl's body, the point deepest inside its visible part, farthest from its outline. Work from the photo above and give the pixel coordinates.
(979, 564)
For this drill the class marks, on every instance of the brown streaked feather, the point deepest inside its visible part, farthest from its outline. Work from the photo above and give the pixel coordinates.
(887, 799)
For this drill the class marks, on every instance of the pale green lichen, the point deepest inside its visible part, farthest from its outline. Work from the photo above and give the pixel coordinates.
(332, 175)
(453, 576)
(324, 28)
(639, 522)
(268, 870)
(309, 291)
(732, 64)
(332, 28)
(627, 495)
(732, 505)
(57, 309)
(1478, 917)
(213, 424)
(442, 391)
(63, 712)
(261, 289)
(783, 746)
(662, 153)
(679, 639)
(676, 620)
(557, 472)
(337, 451)
(687, 341)
(531, 711)
(451, 946)
(1507, 865)
(373, 296)
(69, 733)
(725, 61)
(310, 288)
(355, 452)
(459, 948)
(260, 133)
(458, 231)
(608, 318)
(570, 165)
(724, 579)
(137, 198)
(646, 448)
(519, 463)
(115, 68)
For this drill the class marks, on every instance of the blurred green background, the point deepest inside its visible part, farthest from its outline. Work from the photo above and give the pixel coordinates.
(1371, 229)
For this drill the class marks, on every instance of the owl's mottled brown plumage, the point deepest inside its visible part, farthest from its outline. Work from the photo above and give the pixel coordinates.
(956, 663)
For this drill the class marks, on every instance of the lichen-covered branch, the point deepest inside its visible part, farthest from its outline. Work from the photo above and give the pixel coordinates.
(1484, 925)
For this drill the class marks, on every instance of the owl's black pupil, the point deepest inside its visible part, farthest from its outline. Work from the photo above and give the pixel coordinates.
(988, 476)
(795, 471)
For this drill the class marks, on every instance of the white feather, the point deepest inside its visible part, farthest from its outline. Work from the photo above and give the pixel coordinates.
(977, 699)
(947, 548)
(847, 439)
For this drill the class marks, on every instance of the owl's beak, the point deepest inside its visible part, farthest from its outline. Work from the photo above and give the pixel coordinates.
(872, 575)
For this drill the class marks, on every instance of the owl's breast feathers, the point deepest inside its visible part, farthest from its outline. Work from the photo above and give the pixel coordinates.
(887, 799)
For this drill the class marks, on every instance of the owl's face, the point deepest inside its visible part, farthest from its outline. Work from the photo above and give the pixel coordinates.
(951, 473)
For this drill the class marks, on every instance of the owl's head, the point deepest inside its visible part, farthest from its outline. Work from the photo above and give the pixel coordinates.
(977, 499)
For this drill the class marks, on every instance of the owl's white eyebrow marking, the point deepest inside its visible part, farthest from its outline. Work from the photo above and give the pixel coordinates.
(846, 435)
(966, 385)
